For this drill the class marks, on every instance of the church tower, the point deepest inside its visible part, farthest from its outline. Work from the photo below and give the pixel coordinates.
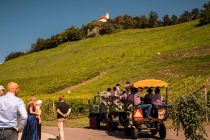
(107, 14)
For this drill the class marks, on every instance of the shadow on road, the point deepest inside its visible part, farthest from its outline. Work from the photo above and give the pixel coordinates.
(119, 133)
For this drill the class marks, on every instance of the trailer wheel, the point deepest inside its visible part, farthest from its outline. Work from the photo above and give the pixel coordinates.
(94, 123)
(162, 131)
(134, 133)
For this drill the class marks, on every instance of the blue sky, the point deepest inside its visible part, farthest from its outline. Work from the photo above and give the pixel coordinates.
(23, 21)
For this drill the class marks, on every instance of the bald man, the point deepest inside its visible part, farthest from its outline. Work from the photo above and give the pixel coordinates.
(10, 107)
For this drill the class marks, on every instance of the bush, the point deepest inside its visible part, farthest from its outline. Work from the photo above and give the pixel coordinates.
(189, 114)
(13, 55)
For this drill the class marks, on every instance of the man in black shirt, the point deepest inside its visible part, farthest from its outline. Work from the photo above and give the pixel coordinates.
(63, 111)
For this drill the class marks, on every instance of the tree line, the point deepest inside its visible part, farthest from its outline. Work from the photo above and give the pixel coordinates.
(96, 27)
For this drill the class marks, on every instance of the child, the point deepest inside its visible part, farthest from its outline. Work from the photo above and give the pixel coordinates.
(39, 111)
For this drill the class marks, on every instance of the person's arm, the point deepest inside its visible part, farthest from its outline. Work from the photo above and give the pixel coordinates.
(32, 112)
(59, 112)
(69, 111)
(23, 115)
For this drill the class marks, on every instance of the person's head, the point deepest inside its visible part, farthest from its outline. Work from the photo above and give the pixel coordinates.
(39, 102)
(32, 99)
(124, 92)
(109, 89)
(128, 90)
(13, 87)
(149, 90)
(61, 99)
(134, 90)
(157, 90)
(118, 86)
(1, 90)
(127, 82)
(114, 88)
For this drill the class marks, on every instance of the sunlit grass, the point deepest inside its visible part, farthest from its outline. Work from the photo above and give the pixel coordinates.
(178, 54)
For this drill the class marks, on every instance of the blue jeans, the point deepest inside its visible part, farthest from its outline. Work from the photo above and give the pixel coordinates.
(8, 134)
(146, 108)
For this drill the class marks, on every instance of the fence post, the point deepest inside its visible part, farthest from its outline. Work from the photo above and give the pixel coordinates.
(206, 101)
(206, 98)
(53, 109)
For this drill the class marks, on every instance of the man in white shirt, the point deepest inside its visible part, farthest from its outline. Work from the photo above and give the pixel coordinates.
(10, 107)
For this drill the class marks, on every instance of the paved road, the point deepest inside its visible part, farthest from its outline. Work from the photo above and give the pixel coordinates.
(45, 136)
(50, 133)
(90, 134)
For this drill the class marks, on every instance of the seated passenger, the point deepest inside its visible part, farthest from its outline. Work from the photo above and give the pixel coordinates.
(157, 98)
(127, 85)
(108, 94)
(106, 97)
(118, 89)
(156, 101)
(135, 97)
(116, 99)
(148, 97)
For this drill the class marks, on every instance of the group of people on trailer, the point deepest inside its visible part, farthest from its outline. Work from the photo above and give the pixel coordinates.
(132, 96)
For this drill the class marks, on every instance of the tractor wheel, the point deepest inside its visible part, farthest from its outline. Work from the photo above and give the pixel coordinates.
(113, 127)
(94, 123)
(127, 131)
(109, 123)
(134, 133)
(153, 132)
(162, 131)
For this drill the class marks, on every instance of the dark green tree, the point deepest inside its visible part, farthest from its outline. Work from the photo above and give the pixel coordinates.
(39, 45)
(174, 20)
(13, 55)
(119, 20)
(185, 17)
(107, 28)
(195, 13)
(205, 14)
(128, 22)
(73, 34)
(143, 22)
(166, 20)
(153, 20)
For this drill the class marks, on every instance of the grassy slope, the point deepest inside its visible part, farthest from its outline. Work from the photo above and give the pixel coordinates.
(184, 61)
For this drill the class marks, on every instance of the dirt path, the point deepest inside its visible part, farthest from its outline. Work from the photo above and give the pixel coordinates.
(90, 134)
(81, 84)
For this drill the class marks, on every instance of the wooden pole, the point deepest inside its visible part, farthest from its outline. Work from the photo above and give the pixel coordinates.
(206, 101)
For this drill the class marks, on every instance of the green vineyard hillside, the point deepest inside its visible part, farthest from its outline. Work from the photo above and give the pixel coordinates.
(178, 54)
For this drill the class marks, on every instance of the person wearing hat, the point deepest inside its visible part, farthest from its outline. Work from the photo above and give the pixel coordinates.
(148, 97)
(1, 90)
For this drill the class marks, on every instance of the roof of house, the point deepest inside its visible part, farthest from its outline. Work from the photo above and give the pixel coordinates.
(103, 17)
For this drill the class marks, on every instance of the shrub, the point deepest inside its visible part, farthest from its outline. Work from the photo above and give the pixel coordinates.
(13, 55)
(189, 114)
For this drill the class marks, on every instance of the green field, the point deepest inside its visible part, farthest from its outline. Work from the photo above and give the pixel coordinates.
(178, 54)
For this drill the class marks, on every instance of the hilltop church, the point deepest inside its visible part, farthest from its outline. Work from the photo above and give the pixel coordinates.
(105, 17)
